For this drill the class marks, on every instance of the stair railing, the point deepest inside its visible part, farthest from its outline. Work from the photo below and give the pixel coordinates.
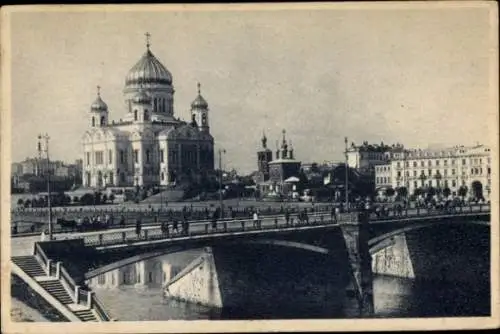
(40, 255)
(99, 308)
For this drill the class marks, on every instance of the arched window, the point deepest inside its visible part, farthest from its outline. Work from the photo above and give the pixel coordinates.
(146, 116)
(155, 104)
(147, 156)
(103, 120)
(135, 115)
(93, 121)
(163, 105)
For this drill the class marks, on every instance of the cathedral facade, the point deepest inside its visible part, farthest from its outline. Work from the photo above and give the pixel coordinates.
(148, 146)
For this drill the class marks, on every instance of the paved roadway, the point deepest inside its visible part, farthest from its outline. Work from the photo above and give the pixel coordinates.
(24, 245)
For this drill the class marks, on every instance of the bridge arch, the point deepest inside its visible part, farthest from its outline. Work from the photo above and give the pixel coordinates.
(173, 250)
(372, 243)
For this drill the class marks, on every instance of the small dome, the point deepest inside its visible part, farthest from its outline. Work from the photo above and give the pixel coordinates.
(199, 102)
(142, 97)
(99, 104)
(148, 70)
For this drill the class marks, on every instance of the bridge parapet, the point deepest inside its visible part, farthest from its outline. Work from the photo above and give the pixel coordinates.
(270, 224)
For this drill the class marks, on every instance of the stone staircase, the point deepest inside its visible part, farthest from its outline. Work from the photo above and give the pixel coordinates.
(85, 315)
(31, 266)
(57, 290)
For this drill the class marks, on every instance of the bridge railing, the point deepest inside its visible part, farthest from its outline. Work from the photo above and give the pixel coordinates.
(150, 233)
(429, 212)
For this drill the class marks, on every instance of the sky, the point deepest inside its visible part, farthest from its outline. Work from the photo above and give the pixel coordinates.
(415, 76)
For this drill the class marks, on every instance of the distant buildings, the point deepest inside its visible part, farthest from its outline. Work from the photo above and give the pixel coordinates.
(365, 157)
(450, 168)
(30, 175)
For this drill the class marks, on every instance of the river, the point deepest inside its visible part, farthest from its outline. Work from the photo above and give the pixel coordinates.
(393, 298)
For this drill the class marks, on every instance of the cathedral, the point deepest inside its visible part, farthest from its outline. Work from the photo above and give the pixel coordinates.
(148, 146)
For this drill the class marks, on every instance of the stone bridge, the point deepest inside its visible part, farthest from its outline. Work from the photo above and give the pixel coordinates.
(320, 261)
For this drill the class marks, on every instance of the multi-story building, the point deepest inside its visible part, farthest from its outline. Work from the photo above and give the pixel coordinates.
(149, 145)
(439, 168)
(365, 157)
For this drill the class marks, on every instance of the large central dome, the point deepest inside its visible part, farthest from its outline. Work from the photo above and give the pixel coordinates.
(148, 70)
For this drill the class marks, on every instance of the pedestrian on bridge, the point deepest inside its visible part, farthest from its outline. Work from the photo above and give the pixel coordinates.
(164, 229)
(122, 221)
(287, 216)
(215, 216)
(184, 226)
(175, 226)
(138, 227)
(255, 219)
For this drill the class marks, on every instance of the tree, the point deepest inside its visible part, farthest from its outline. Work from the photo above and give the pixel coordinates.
(446, 192)
(112, 198)
(477, 189)
(75, 199)
(462, 191)
(431, 191)
(417, 192)
(87, 199)
(20, 202)
(104, 198)
(403, 191)
(389, 192)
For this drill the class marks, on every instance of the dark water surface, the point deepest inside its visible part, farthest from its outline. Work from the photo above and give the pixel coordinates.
(394, 297)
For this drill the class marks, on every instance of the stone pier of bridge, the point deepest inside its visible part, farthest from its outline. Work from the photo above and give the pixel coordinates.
(334, 274)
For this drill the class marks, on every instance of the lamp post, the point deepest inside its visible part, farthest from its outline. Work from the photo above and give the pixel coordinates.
(46, 151)
(346, 177)
(221, 151)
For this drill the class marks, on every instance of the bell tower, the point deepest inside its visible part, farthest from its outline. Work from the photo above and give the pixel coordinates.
(98, 111)
(264, 156)
(199, 112)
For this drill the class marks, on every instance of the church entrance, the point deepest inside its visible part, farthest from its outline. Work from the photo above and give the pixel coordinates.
(87, 179)
(99, 179)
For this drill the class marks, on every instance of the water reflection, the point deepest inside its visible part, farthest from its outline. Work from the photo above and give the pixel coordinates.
(394, 297)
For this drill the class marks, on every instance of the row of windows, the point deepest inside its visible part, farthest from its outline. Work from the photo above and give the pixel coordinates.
(445, 183)
(429, 163)
(433, 183)
(445, 172)
(145, 116)
(189, 156)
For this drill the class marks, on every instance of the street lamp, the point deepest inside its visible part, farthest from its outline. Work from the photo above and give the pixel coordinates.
(221, 151)
(46, 151)
(346, 177)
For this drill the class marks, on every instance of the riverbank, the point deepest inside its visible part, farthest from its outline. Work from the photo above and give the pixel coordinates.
(29, 301)
(20, 312)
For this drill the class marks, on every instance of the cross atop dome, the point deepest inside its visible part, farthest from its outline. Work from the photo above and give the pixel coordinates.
(98, 90)
(264, 140)
(199, 88)
(148, 42)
